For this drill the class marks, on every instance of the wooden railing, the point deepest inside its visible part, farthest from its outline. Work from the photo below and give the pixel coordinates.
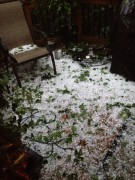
(92, 19)
(95, 19)
(50, 21)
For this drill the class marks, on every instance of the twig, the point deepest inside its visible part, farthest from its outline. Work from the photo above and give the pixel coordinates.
(26, 118)
(64, 148)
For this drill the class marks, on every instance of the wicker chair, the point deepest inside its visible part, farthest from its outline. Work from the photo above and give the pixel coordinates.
(15, 32)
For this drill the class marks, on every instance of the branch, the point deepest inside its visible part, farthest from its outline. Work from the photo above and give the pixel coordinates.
(64, 148)
(26, 118)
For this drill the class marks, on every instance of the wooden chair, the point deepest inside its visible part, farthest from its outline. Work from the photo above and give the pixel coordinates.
(15, 32)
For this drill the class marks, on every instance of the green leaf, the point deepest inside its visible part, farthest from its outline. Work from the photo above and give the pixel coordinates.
(94, 177)
(125, 114)
(69, 139)
(38, 101)
(64, 91)
(39, 121)
(73, 115)
(46, 139)
(73, 176)
(68, 159)
(73, 128)
(39, 137)
(82, 107)
(31, 123)
(57, 135)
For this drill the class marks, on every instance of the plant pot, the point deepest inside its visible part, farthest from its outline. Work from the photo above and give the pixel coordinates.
(58, 54)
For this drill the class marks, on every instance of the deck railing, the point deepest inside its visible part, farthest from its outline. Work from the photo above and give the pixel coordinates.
(95, 19)
(92, 20)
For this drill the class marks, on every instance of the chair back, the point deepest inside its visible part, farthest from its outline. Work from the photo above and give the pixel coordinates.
(13, 25)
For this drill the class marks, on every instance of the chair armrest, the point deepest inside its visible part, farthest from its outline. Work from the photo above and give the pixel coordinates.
(42, 40)
(40, 31)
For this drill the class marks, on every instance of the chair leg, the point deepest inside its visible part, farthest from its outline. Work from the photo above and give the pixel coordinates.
(16, 75)
(53, 62)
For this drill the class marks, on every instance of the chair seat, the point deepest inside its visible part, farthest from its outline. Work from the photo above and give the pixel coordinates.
(30, 55)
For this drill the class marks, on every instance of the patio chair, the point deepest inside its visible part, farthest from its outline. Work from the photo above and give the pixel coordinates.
(15, 33)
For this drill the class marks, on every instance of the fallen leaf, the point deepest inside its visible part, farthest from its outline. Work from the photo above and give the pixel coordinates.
(6, 147)
(65, 117)
(19, 159)
(82, 143)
